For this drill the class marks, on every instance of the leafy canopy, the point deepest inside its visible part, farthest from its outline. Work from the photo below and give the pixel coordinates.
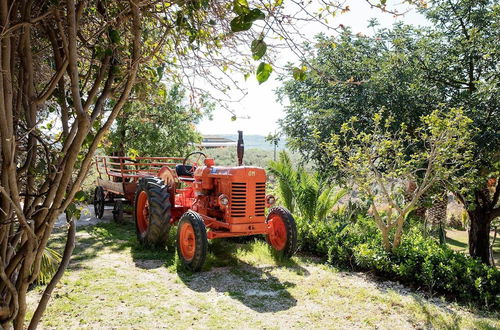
(377, 162)
(407, 70)
(165, 127)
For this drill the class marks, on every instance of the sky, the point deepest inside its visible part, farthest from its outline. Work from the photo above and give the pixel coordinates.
(259, 111)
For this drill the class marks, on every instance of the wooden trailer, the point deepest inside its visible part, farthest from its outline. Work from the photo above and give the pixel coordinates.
(118, 177)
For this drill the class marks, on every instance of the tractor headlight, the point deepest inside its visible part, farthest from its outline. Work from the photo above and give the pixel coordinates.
(223, 200)
(270, 200)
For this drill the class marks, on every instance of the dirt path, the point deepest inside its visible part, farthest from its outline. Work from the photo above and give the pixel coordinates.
(87, 218)
(114, 283)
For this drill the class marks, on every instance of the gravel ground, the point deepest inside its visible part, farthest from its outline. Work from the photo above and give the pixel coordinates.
(112, 283)
(88, 217)
(126, 294)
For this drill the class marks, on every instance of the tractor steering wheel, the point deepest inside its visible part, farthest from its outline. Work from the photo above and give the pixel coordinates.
(194, 164)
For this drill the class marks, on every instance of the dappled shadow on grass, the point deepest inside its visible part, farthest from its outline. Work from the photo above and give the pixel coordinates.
(433, 320)
(456, 243)
(224, 270)
(117, 238)
(254, 286)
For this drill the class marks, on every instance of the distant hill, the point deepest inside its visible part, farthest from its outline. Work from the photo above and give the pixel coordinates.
(254, 141)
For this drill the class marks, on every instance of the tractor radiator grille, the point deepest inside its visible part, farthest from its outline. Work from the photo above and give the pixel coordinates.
(238, 199)
(260, 198)
(239, 195)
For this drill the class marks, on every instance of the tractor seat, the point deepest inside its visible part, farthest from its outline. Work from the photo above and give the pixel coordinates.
(183, 170)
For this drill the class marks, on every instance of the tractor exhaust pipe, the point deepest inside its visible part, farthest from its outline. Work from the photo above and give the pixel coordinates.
(240, 148)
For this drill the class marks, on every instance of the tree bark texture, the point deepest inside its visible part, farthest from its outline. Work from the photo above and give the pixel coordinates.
(485, 209)
(51, 72)
(479, 235)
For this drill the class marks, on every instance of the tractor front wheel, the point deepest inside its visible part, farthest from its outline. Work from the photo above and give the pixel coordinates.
(282, 232)
(152, 212)
(192, 241)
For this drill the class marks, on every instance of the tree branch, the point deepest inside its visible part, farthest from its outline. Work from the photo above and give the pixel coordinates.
(68, 251)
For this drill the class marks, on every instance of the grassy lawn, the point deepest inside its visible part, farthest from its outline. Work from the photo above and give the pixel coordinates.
(112, 282)
(458, 240)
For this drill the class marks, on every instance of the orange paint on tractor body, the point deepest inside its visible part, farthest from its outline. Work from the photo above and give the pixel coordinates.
(205, 201)
(245, 188)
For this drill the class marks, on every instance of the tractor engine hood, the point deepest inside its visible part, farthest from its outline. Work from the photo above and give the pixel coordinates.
(240, 173)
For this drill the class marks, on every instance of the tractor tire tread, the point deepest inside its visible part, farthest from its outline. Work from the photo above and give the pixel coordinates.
(291, 229)
(156, 234)
(201, 244)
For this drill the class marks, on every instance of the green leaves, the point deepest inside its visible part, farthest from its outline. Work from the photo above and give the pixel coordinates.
(239, 24)
(246, 16)
(240, 7)
(264, 70)
(114, 36)
(299, 74)
(80, 196)
(243, 22)
(73, 212)
(133, 153)
(254, 15)
(258, 48)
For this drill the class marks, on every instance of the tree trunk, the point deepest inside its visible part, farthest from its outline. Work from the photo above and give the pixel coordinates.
(436, 216)
(420, 210)
(479, 235)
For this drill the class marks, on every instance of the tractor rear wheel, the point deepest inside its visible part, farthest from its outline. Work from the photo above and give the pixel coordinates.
(282, 232)
(152, 212)
(192, 241)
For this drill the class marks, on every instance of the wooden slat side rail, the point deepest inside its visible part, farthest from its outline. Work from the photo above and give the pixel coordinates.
(128, 167)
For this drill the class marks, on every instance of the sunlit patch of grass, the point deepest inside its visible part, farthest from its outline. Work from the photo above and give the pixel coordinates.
(313, 292)
(163, 311)
(227, 253)
(255, 253)
(458, 240)
(315, 316)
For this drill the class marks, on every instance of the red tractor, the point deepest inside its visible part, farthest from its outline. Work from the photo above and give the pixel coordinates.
(207, 202)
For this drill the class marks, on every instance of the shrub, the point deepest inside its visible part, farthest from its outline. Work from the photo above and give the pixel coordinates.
(419, 261)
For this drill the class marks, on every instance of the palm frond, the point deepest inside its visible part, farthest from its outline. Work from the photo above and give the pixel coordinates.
(286, 177)
(327, 200)
(48, 266)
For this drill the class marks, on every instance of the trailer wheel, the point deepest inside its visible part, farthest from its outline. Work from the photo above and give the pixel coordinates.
(192, 241)
(282, 231)
(152, 212)
(118, 211)
(99, 202)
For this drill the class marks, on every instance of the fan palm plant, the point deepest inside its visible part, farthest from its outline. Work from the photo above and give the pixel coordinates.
(302, 192)
(50, 261)
(286, 178)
